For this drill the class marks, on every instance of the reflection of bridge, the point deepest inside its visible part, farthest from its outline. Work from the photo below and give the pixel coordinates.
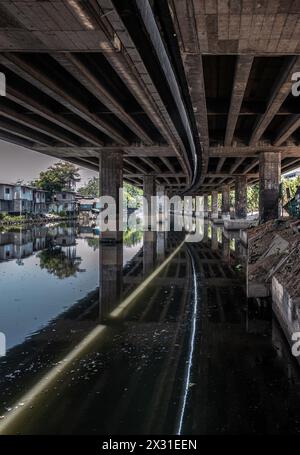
(194, 97)
(157, 334)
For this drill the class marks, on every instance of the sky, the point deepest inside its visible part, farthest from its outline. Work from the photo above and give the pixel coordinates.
(19, 163)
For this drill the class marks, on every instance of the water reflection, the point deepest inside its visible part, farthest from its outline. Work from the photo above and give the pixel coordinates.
(136, 368)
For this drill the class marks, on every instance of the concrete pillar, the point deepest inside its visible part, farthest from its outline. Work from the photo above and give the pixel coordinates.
(241, 197)
(161, 204)
(205, 205)
(226, 201)
(214, 237)
(214, 204)
(150, 212)
(225, 248)
(149, 251)
(199, 205)
(110, 277)
(269, 182)
(111, 180)
(161, 246)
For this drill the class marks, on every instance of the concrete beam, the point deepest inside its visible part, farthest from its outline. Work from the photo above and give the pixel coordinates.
(62, 121)
(282, 88)
(43, 82)
(287, 129)
(242, 71)
(73, 64)
(250, 152)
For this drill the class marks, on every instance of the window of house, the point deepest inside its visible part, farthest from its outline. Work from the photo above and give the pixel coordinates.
(64, 196)
(7, 190)
(24, 191)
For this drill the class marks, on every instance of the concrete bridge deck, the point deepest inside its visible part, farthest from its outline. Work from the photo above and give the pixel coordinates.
(197, 94)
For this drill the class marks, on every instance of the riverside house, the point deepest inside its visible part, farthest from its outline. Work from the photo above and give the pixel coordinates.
(19, 199)
(63, 201)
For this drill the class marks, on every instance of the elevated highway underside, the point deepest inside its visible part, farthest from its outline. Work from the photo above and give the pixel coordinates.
(188, 97)
(192, 92)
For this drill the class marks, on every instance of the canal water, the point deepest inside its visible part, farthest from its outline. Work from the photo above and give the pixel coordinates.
(152, 337)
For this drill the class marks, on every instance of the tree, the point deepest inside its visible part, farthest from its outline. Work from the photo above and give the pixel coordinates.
(91, 188)
(253, 197)
(57, 263)
(291, 184)
(60, 176)
(132, 195)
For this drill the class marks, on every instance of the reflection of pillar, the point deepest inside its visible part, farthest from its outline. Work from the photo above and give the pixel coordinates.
(111, 180)
(111, 277)
(161, 203)
(241, 197)
(205, 205)
(149, 251)
(240, 252)
(226, 201)
(214, 204)
(199, 203)
(161, 246)
(214, 238)
(205, 236)
(269, 180)
(150, 212)
(225, 248)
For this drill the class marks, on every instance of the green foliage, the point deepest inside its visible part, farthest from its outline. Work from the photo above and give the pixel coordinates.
(58, 177)
(91, 188)
(292, 184)
(132, 237)
(93, 243)
(253, 197)
(132, 195)
(62, 213)
(9, 219)
(57, 263)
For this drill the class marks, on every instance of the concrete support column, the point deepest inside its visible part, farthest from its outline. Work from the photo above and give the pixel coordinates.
(269, 182)
(149, 251)
(214, 237)
(214, 204)
(241, 197)
(199, 205)
(225, 248)
(226, 201)
(111, 277)
(161, 203)
(205, 205)
(150, 210)
(161, 246)
(111, 180)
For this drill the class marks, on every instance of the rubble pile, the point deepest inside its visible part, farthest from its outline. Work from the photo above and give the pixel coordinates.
(288, 274)
(261, 237)
(269, 246)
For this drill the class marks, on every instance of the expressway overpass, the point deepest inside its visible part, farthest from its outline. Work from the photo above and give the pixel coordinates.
(192, 95)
